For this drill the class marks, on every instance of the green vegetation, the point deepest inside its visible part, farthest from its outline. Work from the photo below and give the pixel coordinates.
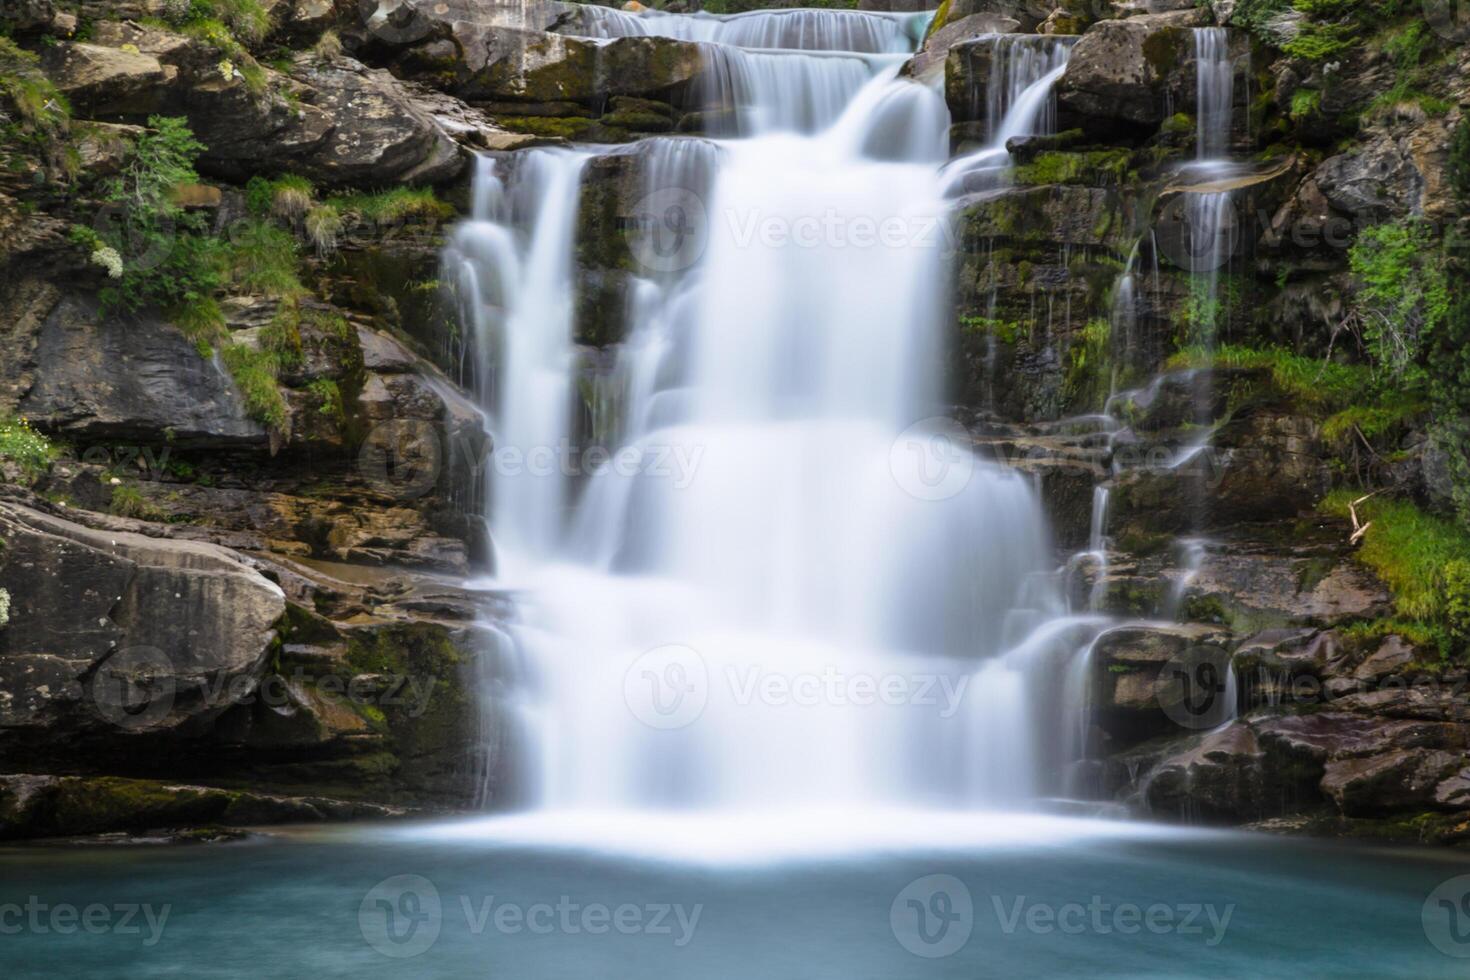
(42, 111)
(166, 260)
(329, 398)
(1403, 293)
(23, 446)
(262, 259)
(1322, 386)
(254, 371)
(1305, 102)
(1425, 562)
(397, 206)
(128, 502)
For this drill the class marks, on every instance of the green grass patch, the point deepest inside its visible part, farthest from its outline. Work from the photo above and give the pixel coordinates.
(1318, 384)
(262, 259)
(1423, 559)
(395, 206)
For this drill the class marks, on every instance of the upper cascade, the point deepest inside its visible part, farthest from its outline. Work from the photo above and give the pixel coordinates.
(797, 29)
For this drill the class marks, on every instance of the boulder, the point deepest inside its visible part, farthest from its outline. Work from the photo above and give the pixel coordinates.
(1260, 589)
(103, 81)
(1134, 72)
(112, 634)
(1136, 698)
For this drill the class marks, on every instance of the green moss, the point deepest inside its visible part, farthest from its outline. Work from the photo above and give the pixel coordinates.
(1006, 331)
(556, 127)
(1305, 102)
(1091, 167)
(1164, 50)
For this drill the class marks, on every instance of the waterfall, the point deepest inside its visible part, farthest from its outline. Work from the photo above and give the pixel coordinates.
(790, 582)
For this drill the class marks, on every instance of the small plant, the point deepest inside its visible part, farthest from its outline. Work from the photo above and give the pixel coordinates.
(324, 228)
(329, 46)
(262, 258)
(128, 502)
(25, 447)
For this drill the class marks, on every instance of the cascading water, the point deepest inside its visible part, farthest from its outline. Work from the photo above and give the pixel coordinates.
(1024, 69)
(779, 590)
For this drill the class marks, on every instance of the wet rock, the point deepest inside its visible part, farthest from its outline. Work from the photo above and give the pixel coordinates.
(1378, 181)
(1261, 589)
(1135, 699)
(1395, 780)
(971, 67)
(1219, 776)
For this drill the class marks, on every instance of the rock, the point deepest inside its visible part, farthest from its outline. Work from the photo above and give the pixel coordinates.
(85, 376)
(378, 135)
(1377, 182)
(1391, 657)
(1260, 589)
(488, 63)
(112, 634)
(102, 81)
(1134, 698)
(34, 806)
(1219, 776)
(1134, 72)
(384, 354)
(103, 147)
(1397, 780)
(932, 57)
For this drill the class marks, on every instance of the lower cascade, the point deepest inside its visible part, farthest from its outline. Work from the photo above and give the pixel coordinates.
(783, 532)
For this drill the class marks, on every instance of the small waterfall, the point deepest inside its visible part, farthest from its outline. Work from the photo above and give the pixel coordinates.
(1020, 101)
(771, 91)
(512, 263)
(1214, 91)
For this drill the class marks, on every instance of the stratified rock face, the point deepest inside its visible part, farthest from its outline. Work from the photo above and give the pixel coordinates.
(131, 377)
(113, 634)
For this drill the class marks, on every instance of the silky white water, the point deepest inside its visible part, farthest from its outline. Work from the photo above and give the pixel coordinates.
(786, 582)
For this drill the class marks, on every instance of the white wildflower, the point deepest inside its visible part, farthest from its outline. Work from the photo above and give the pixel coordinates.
(107, 257)
(4, 607)
(227, 69)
